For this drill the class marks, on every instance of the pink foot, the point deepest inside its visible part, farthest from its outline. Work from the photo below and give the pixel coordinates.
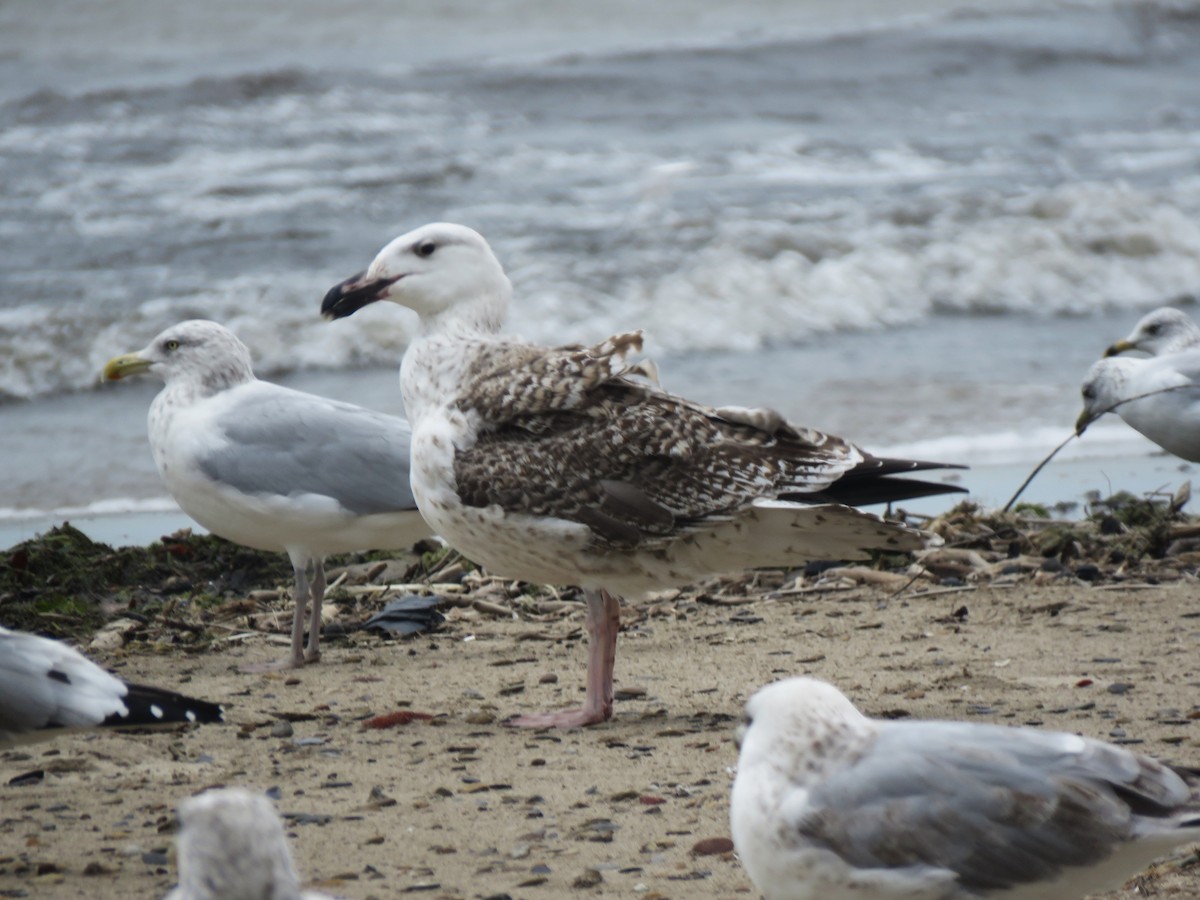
(567, 718)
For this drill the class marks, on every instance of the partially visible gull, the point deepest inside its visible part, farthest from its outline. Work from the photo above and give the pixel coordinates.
(1161, 332)
(560, 466)
(270, 467)
(231, 846)
(48, 688)
(1159, 396)
(829, 803)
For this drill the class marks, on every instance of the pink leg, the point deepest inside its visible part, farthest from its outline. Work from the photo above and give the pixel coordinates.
(603, 623)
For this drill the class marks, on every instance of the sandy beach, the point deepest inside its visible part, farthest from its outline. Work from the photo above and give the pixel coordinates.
(454, 804)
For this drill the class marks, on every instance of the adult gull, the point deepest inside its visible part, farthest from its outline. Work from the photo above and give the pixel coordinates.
(1159, 333)
(231, 846)
(1158, 396)
(563, 466)
(829, 803)
(48, 688)
(273, 468)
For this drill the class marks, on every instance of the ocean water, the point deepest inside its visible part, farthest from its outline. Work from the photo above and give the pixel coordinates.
(912, 222)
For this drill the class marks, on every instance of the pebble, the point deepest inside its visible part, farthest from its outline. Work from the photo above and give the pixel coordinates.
(282, 730)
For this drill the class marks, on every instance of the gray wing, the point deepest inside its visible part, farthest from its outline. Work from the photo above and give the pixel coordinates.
(996, 806)
(284, 442)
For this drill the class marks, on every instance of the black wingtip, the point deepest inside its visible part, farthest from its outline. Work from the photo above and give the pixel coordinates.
(151, 707)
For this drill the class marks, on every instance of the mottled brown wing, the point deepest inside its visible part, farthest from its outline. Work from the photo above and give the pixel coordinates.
(639, 466)
(508, 380)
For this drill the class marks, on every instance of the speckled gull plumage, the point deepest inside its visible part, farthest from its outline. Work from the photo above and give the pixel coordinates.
(829, 803)
(273, 468)
(48, 688)
(568, 465)
(232, 846)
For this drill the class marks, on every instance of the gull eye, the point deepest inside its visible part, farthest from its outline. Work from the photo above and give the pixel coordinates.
(425, 249)
(170, 346)
(1089, 393)
(1154, 329)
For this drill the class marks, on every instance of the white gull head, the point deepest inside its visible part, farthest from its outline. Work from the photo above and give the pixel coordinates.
(443, 272)
(1103, 389)
(197, 354)
(1163, 331)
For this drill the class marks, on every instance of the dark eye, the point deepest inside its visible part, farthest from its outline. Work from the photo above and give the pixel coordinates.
(426, 248)
(170, 345)
(1154, 329)
(1089, 393)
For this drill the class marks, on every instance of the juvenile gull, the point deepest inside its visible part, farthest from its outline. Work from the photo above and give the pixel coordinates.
(1158, 396)
(1158, 333)
(559, 466)
(273, 468)
(48, 688)
(231, 846)
(828, 803)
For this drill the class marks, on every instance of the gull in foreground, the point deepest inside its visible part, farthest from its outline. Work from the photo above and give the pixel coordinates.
(828, 803)
(48, 688)
(560, 466)
(272, 468)
(231, 846)
(1159, 333)
(1159, 397)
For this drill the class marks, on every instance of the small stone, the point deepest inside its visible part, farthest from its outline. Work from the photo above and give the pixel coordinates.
(589, 878)
(548, 678)
(1088, 572)
(1119, 687)
(712, 846)
(282, 730)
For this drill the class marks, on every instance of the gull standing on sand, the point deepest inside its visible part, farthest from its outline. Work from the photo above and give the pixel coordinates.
(48, 688)
(829, 803)
(1160, 333)
(273, 468)
(558, 466)
(1158, 396)
(231, 846)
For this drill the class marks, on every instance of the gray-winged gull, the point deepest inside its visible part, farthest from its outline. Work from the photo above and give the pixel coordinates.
(1158, 396)
(829, 803)
(270, 467)
(1160, 332)
(48, 688)
(559, 466)
(231, 846)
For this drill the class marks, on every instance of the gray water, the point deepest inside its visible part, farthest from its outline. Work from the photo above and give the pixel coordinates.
(914, 223)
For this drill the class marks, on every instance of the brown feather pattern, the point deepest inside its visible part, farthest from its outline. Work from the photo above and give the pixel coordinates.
(568, 433)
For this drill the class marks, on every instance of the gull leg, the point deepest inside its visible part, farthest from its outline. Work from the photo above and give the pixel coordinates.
(603, 623)
(313, 653)
(300, 592)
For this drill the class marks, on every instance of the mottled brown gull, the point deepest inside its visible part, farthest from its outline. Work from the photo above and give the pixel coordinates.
(829, 803)
(565, 466)
(48, 688)
(1159, 333)
(231, 846)
(273, 468)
